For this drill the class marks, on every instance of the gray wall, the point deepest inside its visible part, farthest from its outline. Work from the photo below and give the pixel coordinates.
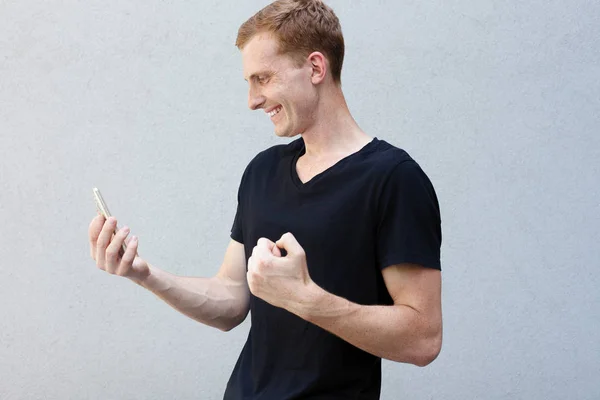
(498, 100)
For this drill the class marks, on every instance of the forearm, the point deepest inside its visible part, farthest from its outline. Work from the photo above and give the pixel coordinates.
(398, 332)
(216, 301)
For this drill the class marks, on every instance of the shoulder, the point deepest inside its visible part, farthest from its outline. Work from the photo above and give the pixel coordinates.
(387, 160)
(399, 171)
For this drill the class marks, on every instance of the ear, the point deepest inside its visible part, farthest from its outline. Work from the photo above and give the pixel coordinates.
(318, 63)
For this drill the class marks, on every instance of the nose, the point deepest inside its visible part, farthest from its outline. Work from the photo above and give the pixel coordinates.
(255, 99)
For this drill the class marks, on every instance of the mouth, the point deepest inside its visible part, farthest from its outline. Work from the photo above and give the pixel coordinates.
(274, 111)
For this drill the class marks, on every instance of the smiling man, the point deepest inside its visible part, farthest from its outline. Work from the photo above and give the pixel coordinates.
(335, 246)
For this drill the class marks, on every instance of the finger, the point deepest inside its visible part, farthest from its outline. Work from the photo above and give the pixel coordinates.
(250, 279)
(289, 243)
(265, 243)
(251, 264)
(103, 241)
(93, 233)
(263, 254)
(128, 257)
(113, 255)
(127, 240)
(269, 247)
(259, 251)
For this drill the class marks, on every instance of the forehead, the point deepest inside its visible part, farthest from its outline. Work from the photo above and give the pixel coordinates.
(261, 54)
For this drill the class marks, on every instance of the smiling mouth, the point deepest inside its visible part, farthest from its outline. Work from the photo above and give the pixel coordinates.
(275, 111)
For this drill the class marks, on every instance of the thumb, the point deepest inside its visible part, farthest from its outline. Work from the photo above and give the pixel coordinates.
(289, 243)
(275, 250)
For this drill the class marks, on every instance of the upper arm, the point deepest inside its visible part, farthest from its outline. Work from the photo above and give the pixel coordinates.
(234, 263)
(409, 238)
(409, 223)
(419, 288)
(232, 274)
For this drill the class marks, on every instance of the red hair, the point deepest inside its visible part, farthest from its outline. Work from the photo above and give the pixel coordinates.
(301, 27)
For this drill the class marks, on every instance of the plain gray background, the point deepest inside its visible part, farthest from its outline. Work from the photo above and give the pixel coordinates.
(499, 101)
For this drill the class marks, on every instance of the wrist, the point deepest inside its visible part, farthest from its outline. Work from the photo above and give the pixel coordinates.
(311, 301)
(322, 307)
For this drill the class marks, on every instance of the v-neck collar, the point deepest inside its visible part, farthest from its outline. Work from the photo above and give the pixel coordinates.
(302, 150)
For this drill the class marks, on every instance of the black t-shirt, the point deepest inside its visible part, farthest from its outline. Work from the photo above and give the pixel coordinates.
(373, 209)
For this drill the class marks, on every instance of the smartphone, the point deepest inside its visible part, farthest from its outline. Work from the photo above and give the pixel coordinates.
(103, 209)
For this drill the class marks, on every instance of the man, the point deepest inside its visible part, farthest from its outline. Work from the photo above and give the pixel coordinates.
(336, 241)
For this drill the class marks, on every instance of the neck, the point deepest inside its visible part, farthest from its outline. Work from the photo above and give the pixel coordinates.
(335, 132)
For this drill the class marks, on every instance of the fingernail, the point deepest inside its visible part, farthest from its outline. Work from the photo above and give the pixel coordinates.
(126, 230)
(134, 238)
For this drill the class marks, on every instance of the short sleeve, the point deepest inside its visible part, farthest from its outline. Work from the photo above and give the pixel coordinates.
(237, 231)
(408, 220)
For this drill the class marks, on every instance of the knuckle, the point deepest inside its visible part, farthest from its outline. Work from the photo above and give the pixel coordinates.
(126, 262)
(261, 265)
(111, 252)
(253, 278)
(101, 242)
(126, 259)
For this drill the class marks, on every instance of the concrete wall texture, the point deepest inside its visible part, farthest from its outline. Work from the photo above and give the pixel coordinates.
(499, 101)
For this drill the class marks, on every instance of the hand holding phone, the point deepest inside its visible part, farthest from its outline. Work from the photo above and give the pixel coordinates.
(128, 263)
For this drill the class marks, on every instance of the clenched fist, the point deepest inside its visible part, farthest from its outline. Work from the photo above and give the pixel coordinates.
(106, 249)
(281, 281)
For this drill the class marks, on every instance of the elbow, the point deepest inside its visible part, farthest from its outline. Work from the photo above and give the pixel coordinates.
(429, 351)
(425, 359)
(226, 328)
(227, 324)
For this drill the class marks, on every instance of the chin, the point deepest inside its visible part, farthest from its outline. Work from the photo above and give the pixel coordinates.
(288, 133)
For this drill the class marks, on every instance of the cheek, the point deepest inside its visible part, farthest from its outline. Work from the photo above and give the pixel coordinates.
(299, 93)
(306, 103)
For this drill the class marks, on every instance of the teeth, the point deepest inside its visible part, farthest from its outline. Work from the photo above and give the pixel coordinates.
(275, 111)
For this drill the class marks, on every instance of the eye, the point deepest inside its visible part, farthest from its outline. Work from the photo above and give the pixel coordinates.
(262, 80)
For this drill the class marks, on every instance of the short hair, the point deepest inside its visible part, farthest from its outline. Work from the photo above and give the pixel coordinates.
(300, 27)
